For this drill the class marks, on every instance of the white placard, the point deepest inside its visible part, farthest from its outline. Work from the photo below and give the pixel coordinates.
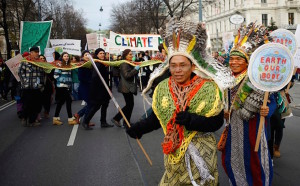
(49, 54)
(92, 41)
(71, 46)
(13, 65)
(227, 38)
(297, 55)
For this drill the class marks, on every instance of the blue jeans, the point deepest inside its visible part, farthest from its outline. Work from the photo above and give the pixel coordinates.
(84, 110)
(75, 87)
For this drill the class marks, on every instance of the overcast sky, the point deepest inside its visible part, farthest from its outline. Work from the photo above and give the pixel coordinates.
(92, 14)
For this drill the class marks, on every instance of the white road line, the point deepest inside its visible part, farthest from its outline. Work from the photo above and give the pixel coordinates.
(7, 105)
(73, 135)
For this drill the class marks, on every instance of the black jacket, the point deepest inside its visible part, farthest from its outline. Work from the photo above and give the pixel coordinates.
(98, 91)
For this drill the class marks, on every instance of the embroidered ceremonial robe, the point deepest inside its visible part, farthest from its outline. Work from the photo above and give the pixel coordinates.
(242, 164)
(204, 99)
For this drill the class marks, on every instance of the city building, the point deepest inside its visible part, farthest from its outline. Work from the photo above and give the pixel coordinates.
(216, 14)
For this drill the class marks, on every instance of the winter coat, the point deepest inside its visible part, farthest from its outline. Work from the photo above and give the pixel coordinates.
(98, 92)
(128, 82)
(85, 77)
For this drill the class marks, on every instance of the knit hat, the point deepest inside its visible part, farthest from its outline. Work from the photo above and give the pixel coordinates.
(99, 50)
(189, 39)
(35, 49)
(248, 39)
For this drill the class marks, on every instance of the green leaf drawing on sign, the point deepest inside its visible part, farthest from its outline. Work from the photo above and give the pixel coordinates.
(283, 70)
(260, 68)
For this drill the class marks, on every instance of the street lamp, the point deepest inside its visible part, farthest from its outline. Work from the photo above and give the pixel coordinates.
(101, 10)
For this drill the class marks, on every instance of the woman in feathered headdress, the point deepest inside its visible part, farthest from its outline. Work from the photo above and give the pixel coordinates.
(188, 106)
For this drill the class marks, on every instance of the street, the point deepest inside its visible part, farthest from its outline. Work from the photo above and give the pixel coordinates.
(107, 156)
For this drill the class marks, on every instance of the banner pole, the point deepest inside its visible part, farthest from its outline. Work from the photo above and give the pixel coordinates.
(117, 105)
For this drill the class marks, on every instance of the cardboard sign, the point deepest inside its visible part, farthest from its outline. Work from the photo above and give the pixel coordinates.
(71, 46)
(271, 67)
(297, 55)
(227, 39)
(286, 38)
(49, 54)
(92, 41)
(135, 42)
(13, 65)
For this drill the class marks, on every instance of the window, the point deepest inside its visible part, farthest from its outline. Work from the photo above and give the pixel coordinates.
(263, 1)
(264, 19)
(291, 18)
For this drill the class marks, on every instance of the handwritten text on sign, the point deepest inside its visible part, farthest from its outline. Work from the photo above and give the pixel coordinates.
(271, 67)
(286, 38)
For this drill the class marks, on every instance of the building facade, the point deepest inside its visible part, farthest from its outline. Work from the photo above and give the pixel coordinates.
(216, 14)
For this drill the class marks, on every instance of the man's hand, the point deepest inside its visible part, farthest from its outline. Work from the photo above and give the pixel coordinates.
(264, 111)
(183, 118)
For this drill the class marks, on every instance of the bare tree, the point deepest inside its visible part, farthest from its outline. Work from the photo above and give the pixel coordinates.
(67, 22)
(180, 8)
(143, 16)
(4, 25)
(157, 13)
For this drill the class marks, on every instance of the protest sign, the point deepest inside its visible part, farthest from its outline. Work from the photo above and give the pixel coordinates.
(13, 65)
(92, 41)
(271, 67)
(71, 46)
(286, 38)
(297, 55)
(34, 34)
(135, 42)
(49, 54)
(227, 39)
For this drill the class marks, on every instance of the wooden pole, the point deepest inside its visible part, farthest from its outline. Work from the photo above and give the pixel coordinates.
(118, 107)
(261, 123)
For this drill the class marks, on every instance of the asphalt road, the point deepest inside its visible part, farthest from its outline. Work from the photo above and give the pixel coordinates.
(40, 155)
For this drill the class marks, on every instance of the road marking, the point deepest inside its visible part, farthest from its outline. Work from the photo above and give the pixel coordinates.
(73, 135)
(7, 105)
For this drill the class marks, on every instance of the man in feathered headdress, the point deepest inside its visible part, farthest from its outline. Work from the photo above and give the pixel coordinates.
(187, 105)
(242, 164)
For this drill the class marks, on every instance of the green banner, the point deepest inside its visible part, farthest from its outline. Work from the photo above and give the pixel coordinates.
(53, 65)
(35, 34)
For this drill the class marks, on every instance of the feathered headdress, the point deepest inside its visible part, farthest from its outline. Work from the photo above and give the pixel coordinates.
(189, 39)
(248, 39)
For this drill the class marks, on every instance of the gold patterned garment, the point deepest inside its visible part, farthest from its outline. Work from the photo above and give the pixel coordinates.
(204, 100)
(176, 174)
